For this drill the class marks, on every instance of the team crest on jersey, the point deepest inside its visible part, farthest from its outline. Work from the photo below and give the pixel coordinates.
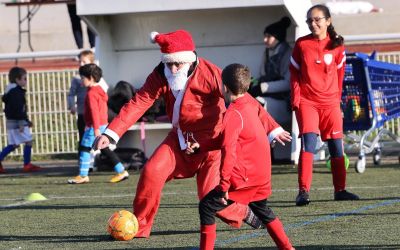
(328, 59)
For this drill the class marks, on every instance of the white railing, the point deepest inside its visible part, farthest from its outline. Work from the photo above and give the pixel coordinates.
(40, 54)
(55, 130)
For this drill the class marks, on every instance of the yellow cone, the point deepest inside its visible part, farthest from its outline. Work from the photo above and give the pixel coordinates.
(35, 197)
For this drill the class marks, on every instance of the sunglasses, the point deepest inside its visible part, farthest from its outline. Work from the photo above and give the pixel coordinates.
(176, 64)
(314, 19)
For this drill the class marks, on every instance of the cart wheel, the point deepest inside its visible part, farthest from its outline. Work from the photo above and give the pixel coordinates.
(360, 165)
(377, 156)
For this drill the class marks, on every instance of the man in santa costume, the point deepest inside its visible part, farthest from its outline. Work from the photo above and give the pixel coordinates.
(191, 88)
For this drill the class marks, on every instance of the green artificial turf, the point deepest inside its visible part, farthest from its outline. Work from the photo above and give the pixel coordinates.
(75, 216)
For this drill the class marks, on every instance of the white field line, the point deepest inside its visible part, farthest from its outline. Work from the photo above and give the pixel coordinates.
(329, 217)
(331, 188)
(18, 204)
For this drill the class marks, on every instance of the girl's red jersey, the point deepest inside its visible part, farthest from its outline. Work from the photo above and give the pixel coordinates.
(316, 72)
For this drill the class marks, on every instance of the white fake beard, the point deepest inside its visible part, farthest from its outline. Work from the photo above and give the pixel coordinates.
(178, 80)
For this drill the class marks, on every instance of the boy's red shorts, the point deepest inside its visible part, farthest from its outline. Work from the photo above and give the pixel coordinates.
(250, 194)
(327, 122)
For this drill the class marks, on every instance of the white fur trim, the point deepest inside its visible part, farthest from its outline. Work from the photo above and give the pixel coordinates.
(153, 35)
(274, 133)
(181, 138)
(181, 56)
(112, 134)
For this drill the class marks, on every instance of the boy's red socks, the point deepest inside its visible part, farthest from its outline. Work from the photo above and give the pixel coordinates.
(277, 233)
(305, 170)
(208, 235)
(338, 170)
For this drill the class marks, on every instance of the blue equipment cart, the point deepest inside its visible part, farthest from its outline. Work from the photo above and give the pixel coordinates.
(370, 97)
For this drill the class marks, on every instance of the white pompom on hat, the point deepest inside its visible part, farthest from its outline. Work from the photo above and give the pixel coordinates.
(176, 46)
(153, 35)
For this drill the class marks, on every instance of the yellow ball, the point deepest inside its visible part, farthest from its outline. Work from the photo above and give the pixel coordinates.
(122, 225)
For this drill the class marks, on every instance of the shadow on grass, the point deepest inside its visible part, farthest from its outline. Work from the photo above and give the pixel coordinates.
(94, 206)
(275, 202)
(58, 207)
(354, 247)
(181, 205)
(183, 232)
(53, 171)
(107, 238)
(57, 239)
(321, 168)
(318, 247)
(364, 214)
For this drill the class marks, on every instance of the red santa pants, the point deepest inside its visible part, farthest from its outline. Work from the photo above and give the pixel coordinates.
(170, 162)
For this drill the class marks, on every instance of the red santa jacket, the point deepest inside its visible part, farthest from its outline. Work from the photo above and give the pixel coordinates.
(201, 110)
(246, 157)
(316, 72)
(95, 109)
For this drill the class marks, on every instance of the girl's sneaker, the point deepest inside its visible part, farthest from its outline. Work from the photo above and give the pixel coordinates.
(345, 196)
(303, 198)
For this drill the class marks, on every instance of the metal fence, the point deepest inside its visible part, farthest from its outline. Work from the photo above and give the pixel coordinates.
(55, 130)
(392, 57)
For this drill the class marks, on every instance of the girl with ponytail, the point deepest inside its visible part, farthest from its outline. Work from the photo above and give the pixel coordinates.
(336, 39)
(317, 70)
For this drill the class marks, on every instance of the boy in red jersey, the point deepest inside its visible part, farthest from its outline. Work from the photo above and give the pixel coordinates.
(317, 70)
(246, 161)
(95, 116)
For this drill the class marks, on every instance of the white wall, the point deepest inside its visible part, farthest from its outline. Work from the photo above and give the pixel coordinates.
(50, 29)
(223, 36)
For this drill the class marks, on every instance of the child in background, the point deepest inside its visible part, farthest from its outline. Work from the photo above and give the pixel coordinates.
(95, 115)
(246, 161)
(76, 105)
(17, 123)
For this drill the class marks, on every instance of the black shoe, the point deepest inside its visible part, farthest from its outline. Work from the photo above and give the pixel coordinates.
(303, 198)
(345, 196)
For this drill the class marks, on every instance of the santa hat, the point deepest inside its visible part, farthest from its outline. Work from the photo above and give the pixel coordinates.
(177, 46)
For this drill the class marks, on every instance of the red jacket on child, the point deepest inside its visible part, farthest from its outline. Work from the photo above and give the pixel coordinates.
(96, 111)
(246, 156)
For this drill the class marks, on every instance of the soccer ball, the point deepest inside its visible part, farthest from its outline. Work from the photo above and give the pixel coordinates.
(122, 225)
